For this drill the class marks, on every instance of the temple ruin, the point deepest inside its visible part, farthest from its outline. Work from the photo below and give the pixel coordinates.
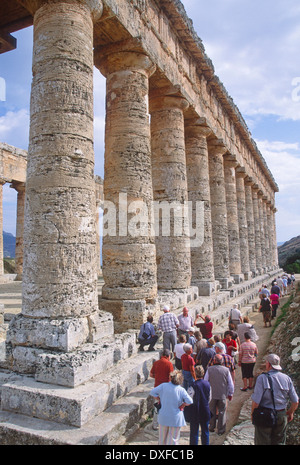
(173, 136)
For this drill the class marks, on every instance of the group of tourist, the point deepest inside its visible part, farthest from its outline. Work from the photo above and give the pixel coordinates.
(198, 385)
(269, 299)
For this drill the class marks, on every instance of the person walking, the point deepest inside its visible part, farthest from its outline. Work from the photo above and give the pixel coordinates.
(199, 413)
(168, 324)
(247, 359)
(235, 316)
(173, 398)
(265, 309)
(222, 388)
(283, 394)
(244, 327)
(160, 371)
(274, 299)
(147, 335)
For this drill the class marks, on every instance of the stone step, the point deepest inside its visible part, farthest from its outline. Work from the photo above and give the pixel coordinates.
(110, 427)
(79, 405)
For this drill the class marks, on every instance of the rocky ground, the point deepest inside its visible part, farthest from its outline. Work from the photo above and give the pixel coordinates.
(281, 339)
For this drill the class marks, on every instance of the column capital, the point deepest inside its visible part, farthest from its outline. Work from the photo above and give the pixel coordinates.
(196, 127)
(95, 6)
(18, 186)
(241, 172)
(230, 160)
(217, 147)
(168, 102)
(123, 60)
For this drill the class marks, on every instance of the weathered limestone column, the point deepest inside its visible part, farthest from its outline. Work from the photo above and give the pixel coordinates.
(259, 265)
(273, 227)
(262, 230)
(272, 259)
(216, 150)
(202, 257)
(266, 233)
(250, 226)
(170, 187)
(243, 226)
(232, 219)
(129, 258)
(20, 188)
(2, 182)
(59, 271)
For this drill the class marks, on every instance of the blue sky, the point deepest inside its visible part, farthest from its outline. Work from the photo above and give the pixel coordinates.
(254, 46)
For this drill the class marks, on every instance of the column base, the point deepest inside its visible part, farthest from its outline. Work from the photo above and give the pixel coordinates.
(238, 278)
(248, 275)
(207, 288)
(226, 283)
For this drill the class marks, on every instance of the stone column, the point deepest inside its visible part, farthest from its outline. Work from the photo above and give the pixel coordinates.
(129, 263)
(2, 182)
(60, 270)
(216, 150)
(202, 257)
(275, 250)
(20, 188)
(170, 188)
(250, 225)
(262, 230)
(271, 238)
(232, 219)
(259, 264)
(243, 226)
(266, 234)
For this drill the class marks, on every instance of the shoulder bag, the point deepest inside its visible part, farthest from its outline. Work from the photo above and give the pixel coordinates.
(263, 416)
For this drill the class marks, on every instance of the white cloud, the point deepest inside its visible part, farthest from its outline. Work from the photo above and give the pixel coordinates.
(14, 128)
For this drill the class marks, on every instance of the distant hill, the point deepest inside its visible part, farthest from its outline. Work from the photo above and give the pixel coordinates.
(289, 253)
(9, 245)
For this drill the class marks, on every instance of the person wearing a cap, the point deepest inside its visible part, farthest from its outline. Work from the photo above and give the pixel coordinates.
(168, 324)
(284, 394)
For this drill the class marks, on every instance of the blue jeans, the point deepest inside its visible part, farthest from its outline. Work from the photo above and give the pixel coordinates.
(187, 379)
(194, 432)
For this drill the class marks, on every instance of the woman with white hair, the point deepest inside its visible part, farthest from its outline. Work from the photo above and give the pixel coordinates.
(173, 398)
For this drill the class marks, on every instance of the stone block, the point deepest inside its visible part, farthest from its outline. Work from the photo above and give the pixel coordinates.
(64, 335)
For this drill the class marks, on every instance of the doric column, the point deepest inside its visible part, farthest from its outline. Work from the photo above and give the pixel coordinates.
(266, 233)
(256, 215)
(2, 182)
(273, 227)
(262, 230)
(216, 150)
(243, 226)
(170, 187)
(232, 219)
(202, 257)
(250, 225)
(129, 261)
(20, 188)
(271, 234)
(59, 270)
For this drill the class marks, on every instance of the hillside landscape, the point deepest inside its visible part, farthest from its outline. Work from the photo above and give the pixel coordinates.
(289, 255)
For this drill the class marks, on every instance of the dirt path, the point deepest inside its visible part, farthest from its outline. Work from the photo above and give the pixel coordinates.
(147, 436)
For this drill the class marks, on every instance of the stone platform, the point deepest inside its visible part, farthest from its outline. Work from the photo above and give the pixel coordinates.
(109, 404)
